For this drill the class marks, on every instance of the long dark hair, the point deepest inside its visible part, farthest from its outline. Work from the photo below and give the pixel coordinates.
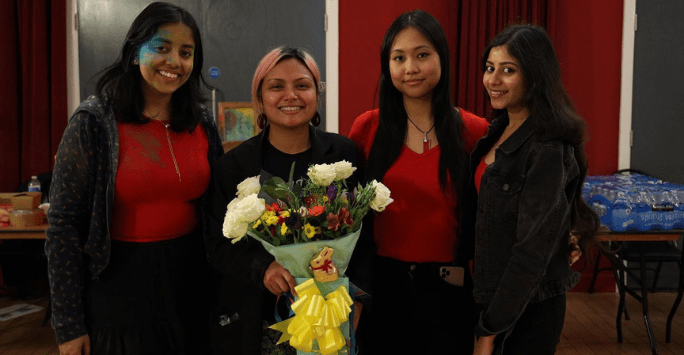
(550, 107)
(392, 129)
(119, 84)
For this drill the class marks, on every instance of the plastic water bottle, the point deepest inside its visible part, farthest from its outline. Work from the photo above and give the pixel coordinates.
(34, 184)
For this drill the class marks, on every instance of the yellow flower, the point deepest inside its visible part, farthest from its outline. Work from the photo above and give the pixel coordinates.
(271, 220)
(285, 214)
(257, 223)
(309, 230)
(283, 229)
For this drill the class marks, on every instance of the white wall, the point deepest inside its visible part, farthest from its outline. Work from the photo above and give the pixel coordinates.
(73, 86)
(627, 78)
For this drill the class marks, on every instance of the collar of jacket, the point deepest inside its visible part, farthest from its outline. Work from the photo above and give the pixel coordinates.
(519, 137)
(319, 146)
(513, 143)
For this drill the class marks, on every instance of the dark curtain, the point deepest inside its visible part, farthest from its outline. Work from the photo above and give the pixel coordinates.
(479, 22)
(33, 104)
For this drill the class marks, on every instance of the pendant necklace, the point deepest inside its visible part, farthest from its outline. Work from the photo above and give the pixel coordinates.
(168, 139)
(426, 140)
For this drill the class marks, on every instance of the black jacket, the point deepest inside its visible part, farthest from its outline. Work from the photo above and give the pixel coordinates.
(522, 224)
(242, 265)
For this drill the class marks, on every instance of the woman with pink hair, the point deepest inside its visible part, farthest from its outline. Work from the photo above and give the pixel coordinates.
(285, 95)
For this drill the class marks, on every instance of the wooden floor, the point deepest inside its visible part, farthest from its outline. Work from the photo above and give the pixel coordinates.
(25, 335)
(589, 327)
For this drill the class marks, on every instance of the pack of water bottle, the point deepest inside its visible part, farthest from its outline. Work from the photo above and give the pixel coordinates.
(635, 202)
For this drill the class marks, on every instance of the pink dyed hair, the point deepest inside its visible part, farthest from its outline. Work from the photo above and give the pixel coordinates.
(270, 60)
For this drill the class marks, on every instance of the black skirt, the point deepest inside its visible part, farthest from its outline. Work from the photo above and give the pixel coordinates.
(152, 298)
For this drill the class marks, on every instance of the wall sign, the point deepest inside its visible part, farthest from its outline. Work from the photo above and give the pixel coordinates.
(214, 72)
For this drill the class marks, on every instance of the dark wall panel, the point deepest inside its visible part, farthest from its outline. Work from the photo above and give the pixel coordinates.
(658, 104)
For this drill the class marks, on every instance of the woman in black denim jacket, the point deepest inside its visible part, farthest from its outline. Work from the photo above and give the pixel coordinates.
(528, 171)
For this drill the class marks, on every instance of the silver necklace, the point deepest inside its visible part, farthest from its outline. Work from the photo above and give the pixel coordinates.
(426, 140)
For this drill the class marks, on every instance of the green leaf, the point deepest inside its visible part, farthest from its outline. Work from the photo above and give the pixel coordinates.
(289, 181)
(275, 181)
(276, 192)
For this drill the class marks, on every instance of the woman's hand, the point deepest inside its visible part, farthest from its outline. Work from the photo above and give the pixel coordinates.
(484, 345)
(78, 346)
(278, 279)
(575, 251)
(358, 307)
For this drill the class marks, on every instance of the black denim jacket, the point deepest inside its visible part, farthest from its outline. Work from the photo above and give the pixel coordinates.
(522, 224)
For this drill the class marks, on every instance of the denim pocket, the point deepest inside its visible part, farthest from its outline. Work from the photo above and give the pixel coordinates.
(506, 184)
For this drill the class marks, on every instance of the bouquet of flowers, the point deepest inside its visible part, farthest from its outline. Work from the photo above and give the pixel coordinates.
(311, 228)
(321, 209)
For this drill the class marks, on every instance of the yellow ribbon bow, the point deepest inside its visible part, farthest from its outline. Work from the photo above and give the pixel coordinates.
(317, 319)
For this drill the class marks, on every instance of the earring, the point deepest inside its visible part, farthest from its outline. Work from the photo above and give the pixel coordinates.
(316, 120)
(136, 61)
(261, 121)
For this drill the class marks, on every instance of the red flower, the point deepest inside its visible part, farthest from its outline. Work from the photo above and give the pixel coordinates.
(282, 216)
(310, 200)
(273, 207)
(333, 222)
(345, 217)
(316, 210)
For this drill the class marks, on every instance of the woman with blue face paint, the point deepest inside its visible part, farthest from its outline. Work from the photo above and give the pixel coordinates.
(126, 260)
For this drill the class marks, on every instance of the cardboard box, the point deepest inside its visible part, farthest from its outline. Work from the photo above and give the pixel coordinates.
(6, 198)
(23, 218)
(26, 201)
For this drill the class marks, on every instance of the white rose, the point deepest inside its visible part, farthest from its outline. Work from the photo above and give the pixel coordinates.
(233, 227)
(232, 204)
(322, 174)
(382, 197)
(248, 186)
(249, 208)
(343, 170)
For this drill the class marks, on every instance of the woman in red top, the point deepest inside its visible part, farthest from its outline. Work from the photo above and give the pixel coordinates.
(126, 260)
(415, 310)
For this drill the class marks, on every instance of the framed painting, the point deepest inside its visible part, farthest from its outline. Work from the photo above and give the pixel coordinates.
(236, 123)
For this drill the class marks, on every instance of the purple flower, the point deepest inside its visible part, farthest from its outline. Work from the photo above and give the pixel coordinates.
(332, 191)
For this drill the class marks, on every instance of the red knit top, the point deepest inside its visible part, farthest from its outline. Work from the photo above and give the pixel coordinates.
(421, 224)
(150, 203)
(478, 174)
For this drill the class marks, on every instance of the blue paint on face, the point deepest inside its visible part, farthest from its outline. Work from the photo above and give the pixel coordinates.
(151, 49)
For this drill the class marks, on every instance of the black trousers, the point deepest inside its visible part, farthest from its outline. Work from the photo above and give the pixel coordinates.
(414, 311)
(537, 331)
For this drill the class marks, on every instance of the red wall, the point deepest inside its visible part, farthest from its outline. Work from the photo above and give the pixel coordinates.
(588, 41)
(589, 46)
